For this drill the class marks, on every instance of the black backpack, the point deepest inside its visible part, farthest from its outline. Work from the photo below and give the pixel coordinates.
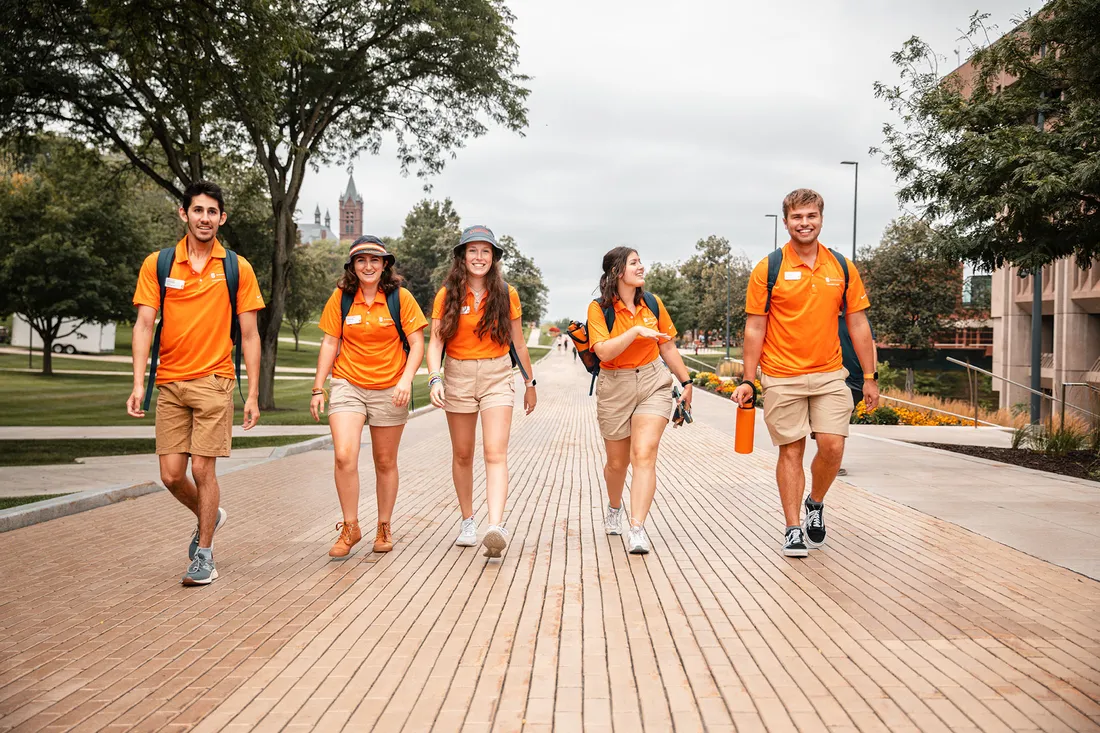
(847, 350)
(165, 258)
(393, 303)
(579, 334)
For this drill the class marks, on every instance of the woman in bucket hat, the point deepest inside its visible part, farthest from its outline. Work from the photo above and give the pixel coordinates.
(476, 319)
(363, 321)
(634, 391)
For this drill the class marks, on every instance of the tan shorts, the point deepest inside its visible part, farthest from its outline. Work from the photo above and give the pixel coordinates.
(623, 393)
(473, 385)
(195, 417)
(795, 406)
(374, 404)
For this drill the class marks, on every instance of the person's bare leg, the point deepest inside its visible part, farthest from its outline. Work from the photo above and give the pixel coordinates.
(823, 469)
(206, 482)
(645, 436)
(614, 471)
(384, 442)
(496, 427)
(347, 437)
(173, 474)
(463, 429)
(791, 479)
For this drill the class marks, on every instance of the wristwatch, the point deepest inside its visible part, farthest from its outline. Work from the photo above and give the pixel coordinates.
(871, 376)
(685, 383)
(532, 383)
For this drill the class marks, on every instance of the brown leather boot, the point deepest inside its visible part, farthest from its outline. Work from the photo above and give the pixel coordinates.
(349, 538)
(383, 541)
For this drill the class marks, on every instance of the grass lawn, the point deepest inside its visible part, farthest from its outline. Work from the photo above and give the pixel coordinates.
(20, 361)
(7, 502)
(309, 332)
(49, 452)
(711, 359)
(78, 399)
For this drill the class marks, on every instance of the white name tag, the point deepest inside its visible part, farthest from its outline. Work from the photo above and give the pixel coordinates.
(174, 283)
(352, 320)
(796, 275)
(465, 310)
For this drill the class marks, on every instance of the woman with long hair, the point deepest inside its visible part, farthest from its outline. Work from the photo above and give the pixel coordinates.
(633, 392)
(475, 319)
(363, 321)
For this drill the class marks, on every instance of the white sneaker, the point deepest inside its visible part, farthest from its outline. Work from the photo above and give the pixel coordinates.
(639, 543)
(467, 536)
(495, 541)
(613, 521)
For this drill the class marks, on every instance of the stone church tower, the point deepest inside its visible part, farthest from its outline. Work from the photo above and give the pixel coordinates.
(351, 213)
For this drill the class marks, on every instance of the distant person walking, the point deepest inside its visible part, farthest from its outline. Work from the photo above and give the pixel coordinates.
(628, 330)
(794, 299)
(208, 298)
(476, 321)
(373, 345)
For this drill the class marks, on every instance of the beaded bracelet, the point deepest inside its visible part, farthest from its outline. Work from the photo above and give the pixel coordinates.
(432, 381)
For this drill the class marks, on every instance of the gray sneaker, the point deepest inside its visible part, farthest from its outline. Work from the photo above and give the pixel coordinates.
(638, 541)
(495, 540)
(201, 571)
(467, 536)
(194, 547)
(613, 521)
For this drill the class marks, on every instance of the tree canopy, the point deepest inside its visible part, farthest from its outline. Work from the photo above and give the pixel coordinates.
(969, 153)
(169, 84)
(521, 272)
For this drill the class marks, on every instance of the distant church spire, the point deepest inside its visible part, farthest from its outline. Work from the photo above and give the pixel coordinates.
(317, 215)
(351, 212)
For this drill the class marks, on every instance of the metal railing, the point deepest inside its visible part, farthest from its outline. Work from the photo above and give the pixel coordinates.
(945, 412)
(1043, 395)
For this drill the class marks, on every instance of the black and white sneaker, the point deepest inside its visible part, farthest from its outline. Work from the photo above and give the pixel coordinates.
(814, 524)
(794, 545)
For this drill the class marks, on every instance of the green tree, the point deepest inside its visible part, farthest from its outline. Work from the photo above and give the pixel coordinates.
(521, 272)
(706, 275)
(424, 250)
(970, 156)
(313, 273)
(914, 289)
(665, 280)
(285, 85)
(71, 238)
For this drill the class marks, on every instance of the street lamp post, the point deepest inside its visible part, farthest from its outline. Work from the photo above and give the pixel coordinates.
(855, 204)
(728, 253)
(775, 234)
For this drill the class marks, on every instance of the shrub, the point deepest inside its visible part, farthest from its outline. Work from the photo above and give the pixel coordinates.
(885, 415)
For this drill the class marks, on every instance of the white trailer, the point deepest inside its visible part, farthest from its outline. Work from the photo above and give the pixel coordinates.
(89, 338)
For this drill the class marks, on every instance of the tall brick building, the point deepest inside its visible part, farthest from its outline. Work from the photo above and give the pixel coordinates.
(351, 213)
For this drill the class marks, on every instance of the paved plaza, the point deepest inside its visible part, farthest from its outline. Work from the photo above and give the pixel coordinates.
(903, 622)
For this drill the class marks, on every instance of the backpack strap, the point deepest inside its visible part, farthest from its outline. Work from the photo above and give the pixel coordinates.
(775, 264)
(652, 303)
(165, 258)
(232, 270)
(393, 302)
(345, 307)
(843, 266)
(512, 353)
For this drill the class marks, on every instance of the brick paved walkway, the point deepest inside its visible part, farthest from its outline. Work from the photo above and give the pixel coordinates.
(903, 622)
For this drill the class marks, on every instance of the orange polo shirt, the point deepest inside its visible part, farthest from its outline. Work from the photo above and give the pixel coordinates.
(194, 340)
(802, 333)
(370, 355)
(642, 351)
(465, 344)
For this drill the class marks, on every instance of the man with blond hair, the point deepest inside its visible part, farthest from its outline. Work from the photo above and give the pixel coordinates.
(794, 299)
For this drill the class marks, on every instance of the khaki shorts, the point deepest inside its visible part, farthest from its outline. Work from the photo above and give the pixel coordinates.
(796, 406)
(374, 404)
(623, 393)
(195, 417)
(473, 385)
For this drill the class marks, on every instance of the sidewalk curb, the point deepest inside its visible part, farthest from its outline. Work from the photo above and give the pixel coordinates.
(43, 511)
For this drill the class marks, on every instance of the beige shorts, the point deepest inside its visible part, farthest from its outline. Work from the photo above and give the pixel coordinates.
(623, 393)
(796, 406)
(195, 417)
(473, 385)
(374, 404)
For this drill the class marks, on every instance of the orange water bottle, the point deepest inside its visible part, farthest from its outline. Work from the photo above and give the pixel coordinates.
(745, 427)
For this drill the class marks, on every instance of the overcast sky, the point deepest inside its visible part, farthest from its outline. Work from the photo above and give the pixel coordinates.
(655, 124)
